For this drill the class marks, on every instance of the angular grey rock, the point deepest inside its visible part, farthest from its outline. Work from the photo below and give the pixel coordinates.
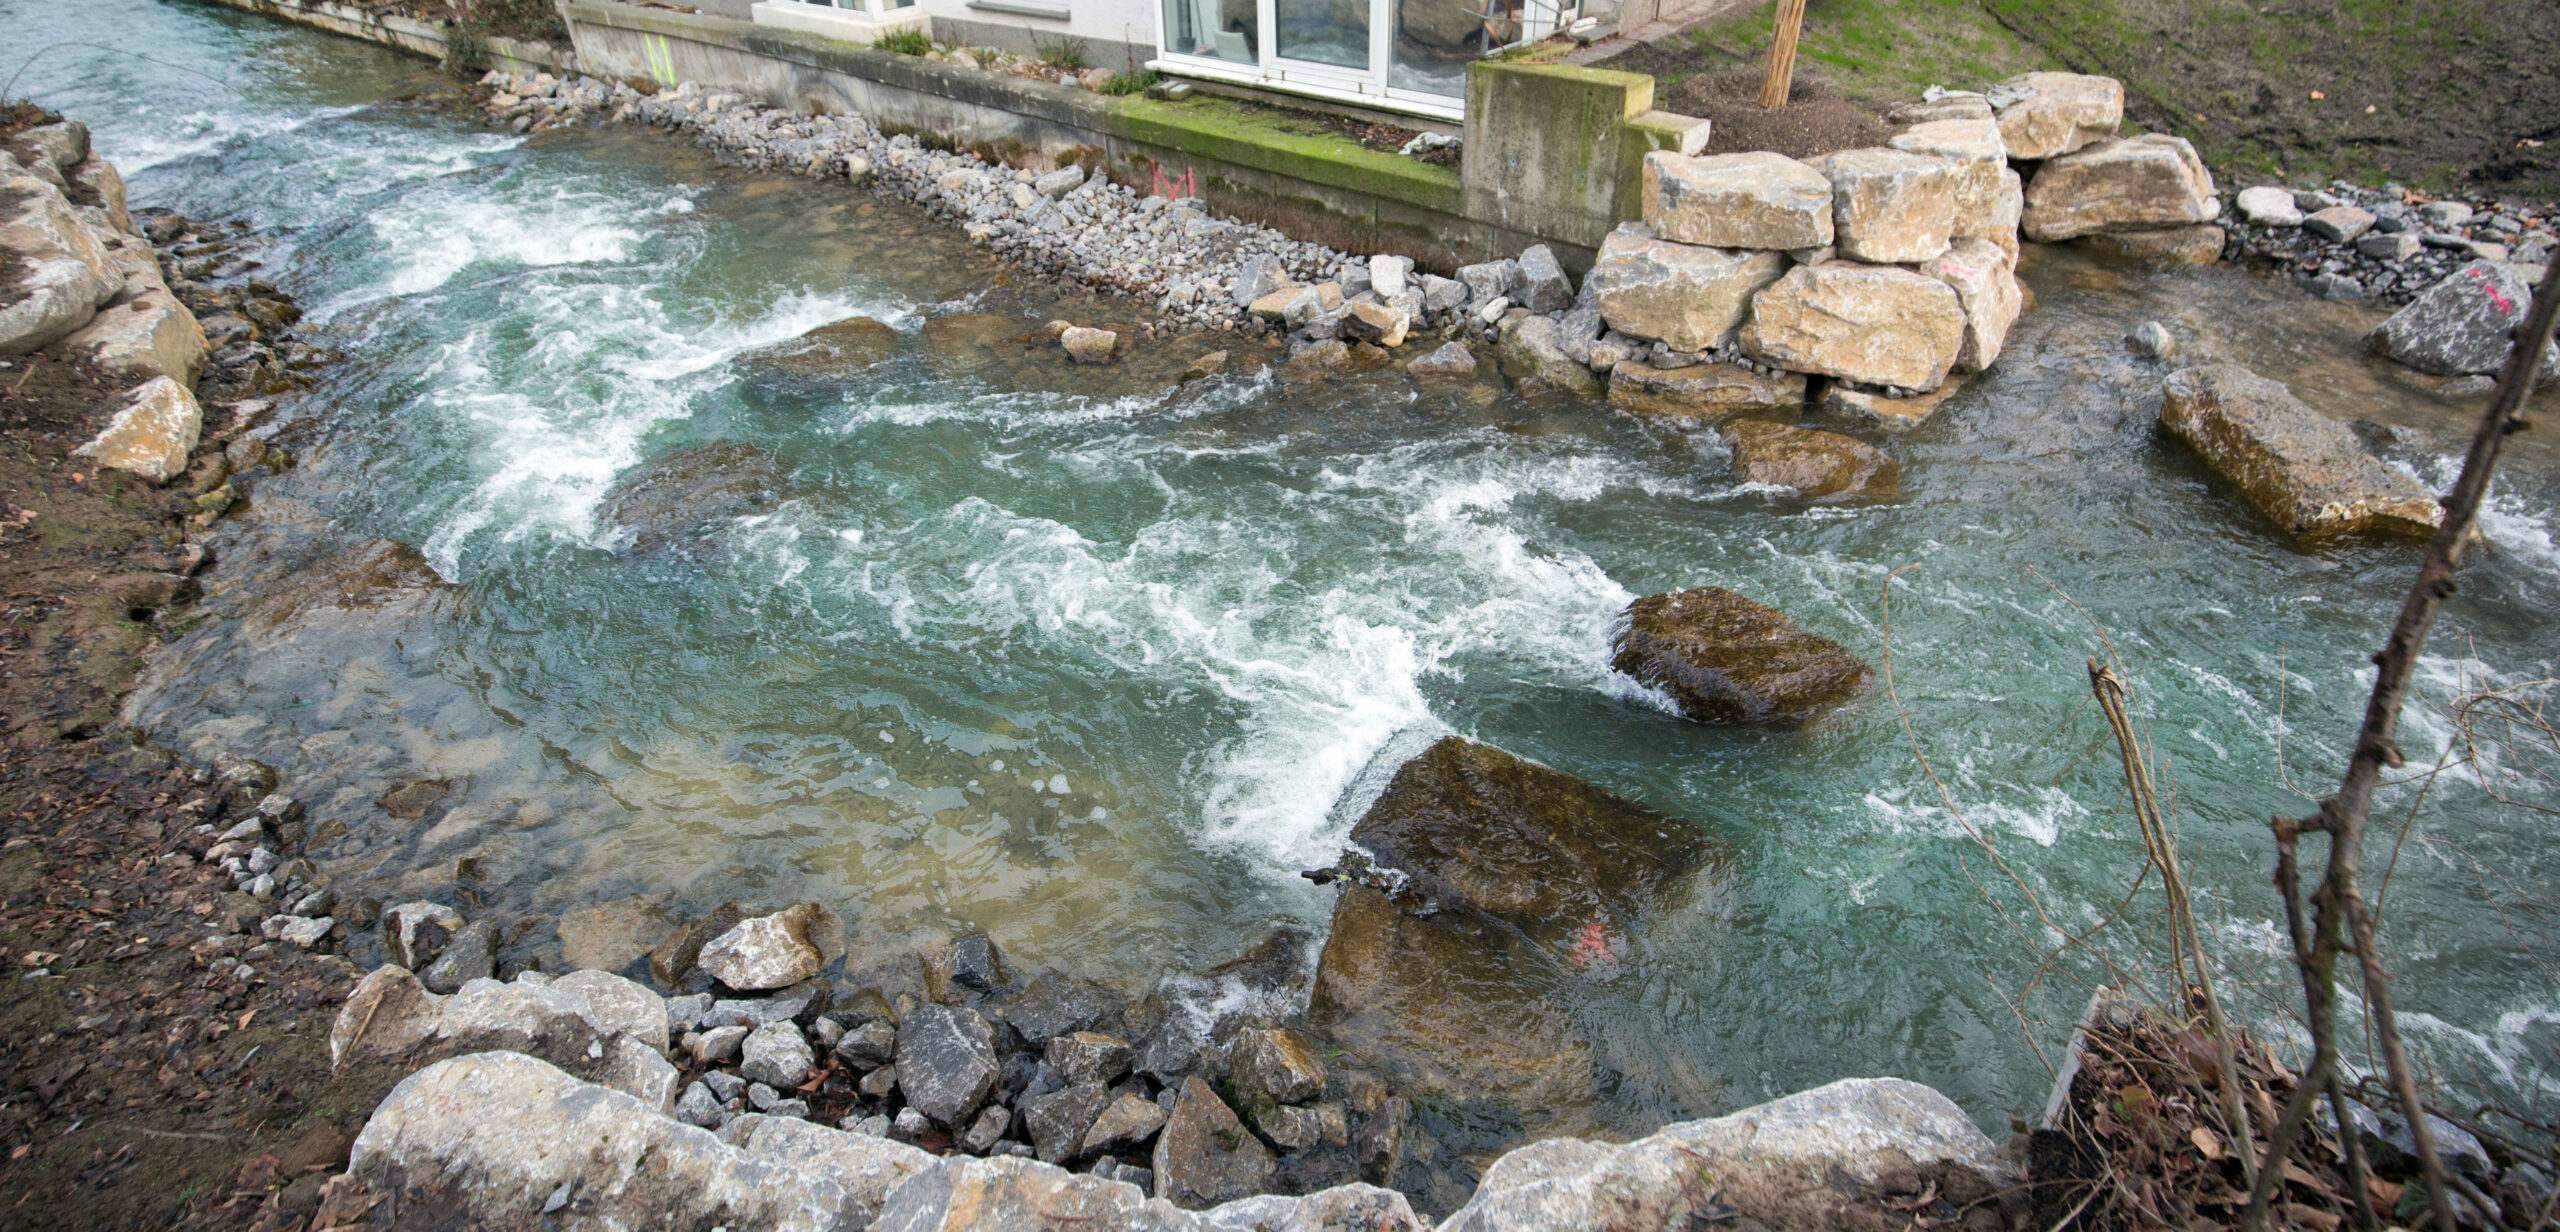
(879, 1083)
(1544, 286)
(1258, 277)
(1056, 1121)
(684, 1012)
(414, 933)
(865, 1166)
(766, 951)
(471, 955)
(2340, 224)
(2397, 246)
(872, 1044)
(1451, 359)
(1060, 182)
(2463, 324)
(2445, 215)
(724, 1086)
(1442, 295)
(2302, 469)
(1388, 274)
(2334, 287)
(697, 1107)
(1295, 1129)
(65, 275)
(1124, 1126)
(1529, 350)
(2269, 207)
(776, 1054)
(1754, 200)
(2151, 181)
(1860, 1127)
(993, 1120)
(1280, 1063)
(1376, 323)
(1205, 1156)
(1090, 1056)
(1489, 280)
(1891, 206)
(1690, 297)
(718, 1045)
(946, 1062)
(490, 1129)
(2047, 114)
(637, 1070)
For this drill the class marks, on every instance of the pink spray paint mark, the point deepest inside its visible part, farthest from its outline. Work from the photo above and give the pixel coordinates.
(1592, 945)
(2504, 304)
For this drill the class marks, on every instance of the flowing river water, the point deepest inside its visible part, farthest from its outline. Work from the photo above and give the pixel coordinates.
(971, 641)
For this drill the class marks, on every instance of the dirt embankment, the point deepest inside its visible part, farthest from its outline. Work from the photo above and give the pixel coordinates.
(146, 1080)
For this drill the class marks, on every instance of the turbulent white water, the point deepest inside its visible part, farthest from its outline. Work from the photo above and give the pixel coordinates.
(1098, 668)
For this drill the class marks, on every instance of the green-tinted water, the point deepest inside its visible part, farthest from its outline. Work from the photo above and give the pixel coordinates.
(972, 641)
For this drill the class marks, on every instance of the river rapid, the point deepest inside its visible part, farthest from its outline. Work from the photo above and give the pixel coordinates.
(973, 641)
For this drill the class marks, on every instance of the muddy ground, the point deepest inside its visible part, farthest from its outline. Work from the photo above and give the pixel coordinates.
(143, 1082)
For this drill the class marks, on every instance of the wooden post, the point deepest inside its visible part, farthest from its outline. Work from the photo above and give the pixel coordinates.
(1782, 55)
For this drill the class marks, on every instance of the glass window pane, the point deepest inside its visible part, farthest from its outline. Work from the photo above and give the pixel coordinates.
(1324, 31)
(1434, 41)
(1216, 29)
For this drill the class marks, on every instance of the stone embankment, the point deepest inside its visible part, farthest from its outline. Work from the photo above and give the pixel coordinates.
(2387, 244)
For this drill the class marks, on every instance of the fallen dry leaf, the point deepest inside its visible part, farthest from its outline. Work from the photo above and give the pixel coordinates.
(2206, 1141)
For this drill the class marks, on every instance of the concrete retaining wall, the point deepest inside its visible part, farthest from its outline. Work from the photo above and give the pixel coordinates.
(405, 33)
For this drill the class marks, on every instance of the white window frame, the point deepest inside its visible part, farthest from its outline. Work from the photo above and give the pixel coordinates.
(1367, 87)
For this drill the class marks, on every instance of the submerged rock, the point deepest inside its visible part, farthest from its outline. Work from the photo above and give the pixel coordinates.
(676, 499)
(1813, 463)
(1726, 659)
(836, 349)
(2298, 466)
(1702, 394)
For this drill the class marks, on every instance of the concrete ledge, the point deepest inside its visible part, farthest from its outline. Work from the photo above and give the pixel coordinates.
(406, 34)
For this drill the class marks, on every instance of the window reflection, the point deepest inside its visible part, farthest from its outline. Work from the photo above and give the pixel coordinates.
(1217, 29)
(1332, 32)
(1434, 41)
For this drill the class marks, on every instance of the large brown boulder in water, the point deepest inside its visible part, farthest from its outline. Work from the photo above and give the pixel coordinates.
(1813, 463)
(1517, 882)
(2298, 466)
(1726, 659)
(837, 349)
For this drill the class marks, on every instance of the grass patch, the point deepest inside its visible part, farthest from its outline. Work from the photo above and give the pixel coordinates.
(1132, 83)
(906, 41)
(1875, 52)
(1064, 54)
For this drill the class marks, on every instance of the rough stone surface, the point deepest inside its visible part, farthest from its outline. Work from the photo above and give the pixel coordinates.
(64, 273)
(1453, 359)
(1755, 200)
(152, 434)
(1878, 325)
(1087, 345)
(2148, 182)
(501, 1134)
(777, 1055)
(865, 1166)
(2046, 114)
(1544, 286)
(1768, 1159)
(1129, 1123)
(611, 936)
(1057, 1121)
(1988, 290)
(1812, 463)
(2299, 467)
(1376, 323)
(1889, 413)
(765, 952)
(1090, 1056)
(1205, 1156)
(946, 1062)
(1685, 296)
(2461, 325)
(1891, 206)
(1702, 394)
(636, 1070)
(144, 332)
(1979, 158)
(2169, 246)
(2268, 206)
(1726, 659)
(1280, 1063)
(2339, 224)
(471, 955)
(1529, 349)
(414, 933)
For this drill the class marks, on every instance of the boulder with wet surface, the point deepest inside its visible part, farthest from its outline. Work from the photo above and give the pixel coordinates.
(1726, 659)
(1811, 463)
(831, 351)
(677, 500)
(1505, 865)
(2301, 468)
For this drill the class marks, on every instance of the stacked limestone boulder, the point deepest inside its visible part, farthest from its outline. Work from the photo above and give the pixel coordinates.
(91, 285)
(2147, 197)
